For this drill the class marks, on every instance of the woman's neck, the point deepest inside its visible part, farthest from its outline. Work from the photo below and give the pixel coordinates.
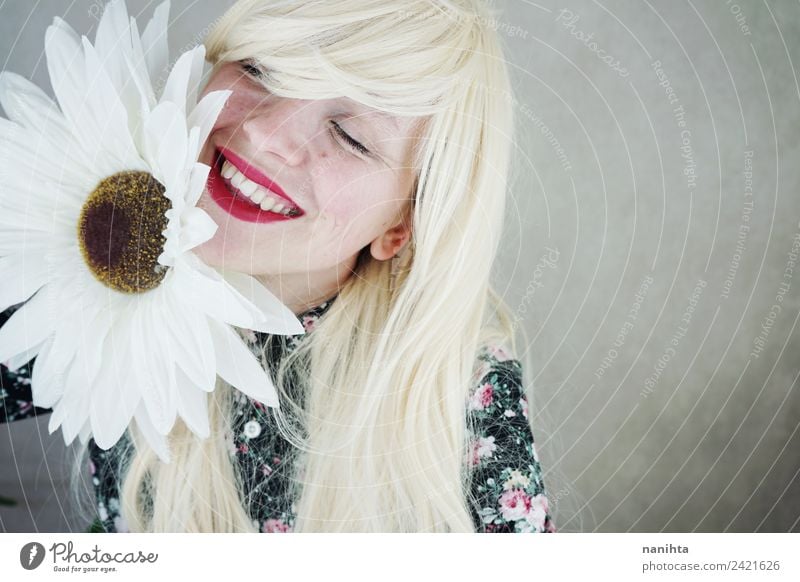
(301, 292)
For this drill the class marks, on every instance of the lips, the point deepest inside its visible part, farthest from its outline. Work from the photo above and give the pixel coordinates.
(255, 175)
(237, 204)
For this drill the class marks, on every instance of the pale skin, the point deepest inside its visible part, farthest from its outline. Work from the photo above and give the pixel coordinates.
(351, 200)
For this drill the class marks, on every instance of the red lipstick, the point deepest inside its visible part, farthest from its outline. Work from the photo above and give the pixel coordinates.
(238, 205)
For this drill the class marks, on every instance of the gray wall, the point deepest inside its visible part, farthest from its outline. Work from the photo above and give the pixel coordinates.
(640, 260)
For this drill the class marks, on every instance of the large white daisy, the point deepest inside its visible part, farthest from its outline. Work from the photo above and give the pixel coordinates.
(97, 223)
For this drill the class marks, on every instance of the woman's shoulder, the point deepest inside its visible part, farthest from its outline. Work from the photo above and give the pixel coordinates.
(508, 485)
(497, 391)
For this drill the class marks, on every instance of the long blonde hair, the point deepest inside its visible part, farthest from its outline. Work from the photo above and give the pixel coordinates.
(379, 428)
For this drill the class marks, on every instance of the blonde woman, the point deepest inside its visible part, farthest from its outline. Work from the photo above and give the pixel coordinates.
(360, 171)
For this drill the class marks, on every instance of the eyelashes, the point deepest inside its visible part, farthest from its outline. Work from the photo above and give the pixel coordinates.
(251, 69)
(350, 141)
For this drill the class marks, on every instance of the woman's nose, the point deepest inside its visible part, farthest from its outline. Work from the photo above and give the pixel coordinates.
(281, 127)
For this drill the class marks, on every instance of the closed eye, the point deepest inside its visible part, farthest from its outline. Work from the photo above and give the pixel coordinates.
(350, 141)
(250, 68)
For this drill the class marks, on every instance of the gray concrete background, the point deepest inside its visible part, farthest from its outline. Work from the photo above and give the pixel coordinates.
(623, 245)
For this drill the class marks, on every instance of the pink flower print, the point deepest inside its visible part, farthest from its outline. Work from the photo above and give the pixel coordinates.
(276, 460)
(500, 354)
(535, 519)
(249, 336)
(266, 470)
(243, 448)
(92, 468)
(482, 397)
(274, 526)
(482, 448)
(486, 447)
(515, 504)
(309, 322)
(523, 402)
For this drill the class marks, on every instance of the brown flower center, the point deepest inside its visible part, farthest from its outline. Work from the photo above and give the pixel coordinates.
(119, 231)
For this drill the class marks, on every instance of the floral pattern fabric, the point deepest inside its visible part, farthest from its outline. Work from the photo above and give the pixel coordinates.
(507, 496)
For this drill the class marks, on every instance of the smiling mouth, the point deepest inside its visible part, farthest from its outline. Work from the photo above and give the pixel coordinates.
(253, 193)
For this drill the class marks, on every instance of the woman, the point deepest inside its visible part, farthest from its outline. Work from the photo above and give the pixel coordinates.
(359, 171)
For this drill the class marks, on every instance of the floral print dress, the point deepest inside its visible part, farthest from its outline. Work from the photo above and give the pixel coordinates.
(507, 486)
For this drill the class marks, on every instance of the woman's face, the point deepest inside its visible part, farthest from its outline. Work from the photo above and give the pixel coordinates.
(343, 197)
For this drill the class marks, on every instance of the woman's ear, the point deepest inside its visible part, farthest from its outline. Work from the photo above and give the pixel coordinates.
(389, 244)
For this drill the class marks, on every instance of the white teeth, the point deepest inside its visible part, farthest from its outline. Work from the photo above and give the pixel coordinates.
(256, 193)
(248, 187)
(259, 195)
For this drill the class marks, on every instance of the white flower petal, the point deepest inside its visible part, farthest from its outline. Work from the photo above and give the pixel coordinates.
(29, 106)
(111, 116)
(57, 418)
(197, 228)
(237, 365)
(116, 393)
(279, 318)
(193, 348)
(76, 411)
(47, 380)
(118, 41)
(197, 183)
(22, 275)
(85, 433)
(23, 358)
(28, 160)
(29, 325)
(205, 114)
(205, 290)
(165, 139)
(67, 69)
(52, 366)
(184, 80)
(156, 441)
(113, 38)
(157, 373)
(154, 42)
(193, 406)
(105, 357)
